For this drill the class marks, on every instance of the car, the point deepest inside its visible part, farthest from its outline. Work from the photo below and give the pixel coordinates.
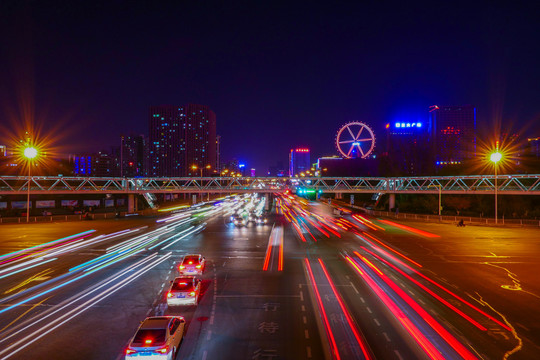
(238, 220)
(261, 220)
(184, 290)
(158, 337)
(192, 264)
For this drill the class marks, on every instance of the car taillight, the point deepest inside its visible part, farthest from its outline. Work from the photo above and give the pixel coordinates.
(130, 351)
(198, 266)
(181, 267)
(192, 293)
(163, 350)
(169, 294)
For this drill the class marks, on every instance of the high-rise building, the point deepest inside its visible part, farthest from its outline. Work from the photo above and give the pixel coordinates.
(453, 133)
(408, 148)
(534, 147)
(100, 164)
(299, 161)
(133, 156)
(3, 150)
(182, 140)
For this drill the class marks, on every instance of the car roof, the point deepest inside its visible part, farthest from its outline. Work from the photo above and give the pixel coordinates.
(156, 322)
(184, 278)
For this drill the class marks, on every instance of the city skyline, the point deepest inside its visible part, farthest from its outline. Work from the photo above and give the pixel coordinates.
(71, 66)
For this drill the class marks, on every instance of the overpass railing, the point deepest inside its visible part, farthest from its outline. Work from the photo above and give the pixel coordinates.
(470, 184)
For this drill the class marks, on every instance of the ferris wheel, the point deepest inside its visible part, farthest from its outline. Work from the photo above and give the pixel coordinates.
(355, 140)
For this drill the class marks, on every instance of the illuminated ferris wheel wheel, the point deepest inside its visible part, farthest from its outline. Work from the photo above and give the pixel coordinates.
(355, 140)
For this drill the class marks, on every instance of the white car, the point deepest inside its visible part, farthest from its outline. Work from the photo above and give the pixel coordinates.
(184, 290)
(193, 264)
(158, 337)
(238, 220)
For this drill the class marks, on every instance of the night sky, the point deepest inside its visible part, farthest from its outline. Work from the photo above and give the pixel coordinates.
(277, 74)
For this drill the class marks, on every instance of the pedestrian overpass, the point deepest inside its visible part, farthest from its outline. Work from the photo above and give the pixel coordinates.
(519, 184)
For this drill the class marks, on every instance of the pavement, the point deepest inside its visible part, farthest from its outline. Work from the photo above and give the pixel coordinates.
(305, 286)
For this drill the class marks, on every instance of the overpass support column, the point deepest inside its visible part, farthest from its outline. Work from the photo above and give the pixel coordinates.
(392, 202)
(339, 196)
(131, 204)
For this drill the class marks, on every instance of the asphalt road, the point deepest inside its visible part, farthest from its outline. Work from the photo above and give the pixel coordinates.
(305, 286)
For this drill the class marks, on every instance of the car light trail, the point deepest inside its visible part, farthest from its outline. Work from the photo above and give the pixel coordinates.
(304, 226)
(280, 261)
(505, 326)
(38, 318)
(91, 241)
(200, 227)
(46, 244)
(25, 268)
(362, 220)
(451, 340)
(54, 324)
(350, 321)
(389, 248)
(409, 229)
(334, 351)
(299, 231)
(40, 251)
(275, 239)
(416, 334)
(465, 316)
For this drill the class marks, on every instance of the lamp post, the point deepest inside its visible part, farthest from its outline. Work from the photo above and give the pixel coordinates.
(208, 193)
(29, 153)
(496, 157)
(440, 193)
(195, 167)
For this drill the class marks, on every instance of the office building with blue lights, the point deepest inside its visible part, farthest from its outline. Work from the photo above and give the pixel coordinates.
(181, 138)
(407, 147)
(453, 134)
(299, 161)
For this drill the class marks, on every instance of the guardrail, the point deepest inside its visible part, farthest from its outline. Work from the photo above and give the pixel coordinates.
(52, 218)
(455, 218)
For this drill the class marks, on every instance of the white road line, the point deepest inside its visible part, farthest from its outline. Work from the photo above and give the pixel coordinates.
(209, 335)
(304, 319)
(362, 300)
(303, 308)
(204, 354)
(301, 296)
(369, 310)
(308, 350)
(306, 334)
(354, 287)
(398, 355)
(386, 336)
(377, 322)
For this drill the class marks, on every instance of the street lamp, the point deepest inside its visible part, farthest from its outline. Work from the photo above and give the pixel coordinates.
(29, 153)
(495, 157)
(440, 191)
